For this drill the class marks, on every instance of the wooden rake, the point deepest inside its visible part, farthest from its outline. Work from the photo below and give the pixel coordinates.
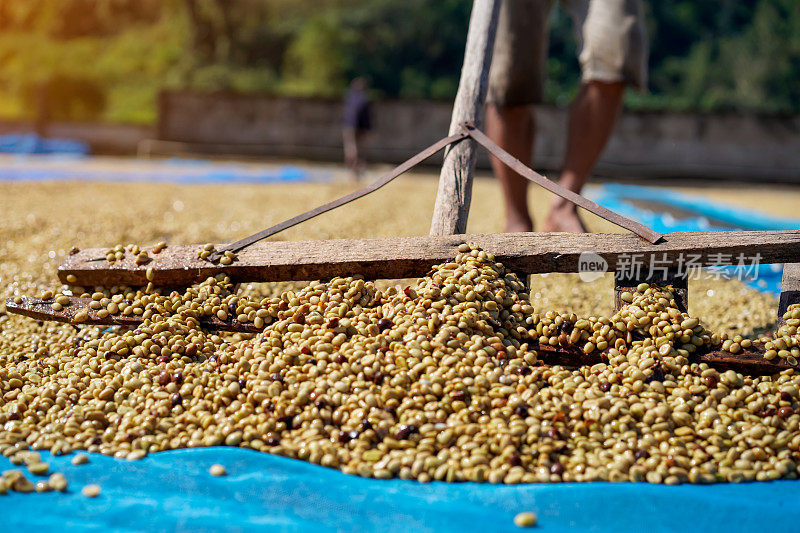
(525, 253)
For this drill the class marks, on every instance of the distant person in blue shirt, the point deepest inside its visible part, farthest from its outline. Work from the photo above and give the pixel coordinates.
(357, 122)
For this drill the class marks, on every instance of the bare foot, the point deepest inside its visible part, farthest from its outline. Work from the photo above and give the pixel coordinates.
(515, 224)
(564, 218)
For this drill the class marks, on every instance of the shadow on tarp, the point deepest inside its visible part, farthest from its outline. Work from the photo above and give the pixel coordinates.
(710, 215)
(173, 491)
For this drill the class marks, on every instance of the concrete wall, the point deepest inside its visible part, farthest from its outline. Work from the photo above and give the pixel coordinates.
(644, 144)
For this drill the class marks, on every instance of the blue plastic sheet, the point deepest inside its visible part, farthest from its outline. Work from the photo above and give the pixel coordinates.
(30, 143)
(42, 168)
(704, 207)
(173, 491)
(709, 215)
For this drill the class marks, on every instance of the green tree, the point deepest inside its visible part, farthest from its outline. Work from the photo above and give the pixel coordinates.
(315, 63)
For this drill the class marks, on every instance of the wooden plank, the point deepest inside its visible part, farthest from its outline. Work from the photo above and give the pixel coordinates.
(790, 289)
(670, 277)
(42, 310)
(407, 257)
(455, 181)
(748, 362)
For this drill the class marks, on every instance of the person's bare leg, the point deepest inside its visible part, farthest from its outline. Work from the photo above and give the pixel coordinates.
(360, 164)
(351, 152)
(591, 120)
(512, 128)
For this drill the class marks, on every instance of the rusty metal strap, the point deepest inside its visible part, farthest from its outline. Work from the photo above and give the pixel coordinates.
(467, 130)
(517, 166)
(372, 187)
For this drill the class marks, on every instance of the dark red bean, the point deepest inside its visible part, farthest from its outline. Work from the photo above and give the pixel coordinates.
(605, 386)
(710, 381)
(557, 469)
(785, 412)
(384, 324)
(553, 433)
(521, 411)
(658, 375)
(405, 431)
(514, 459)
(177, 377)
(177, 399)
(164, 378)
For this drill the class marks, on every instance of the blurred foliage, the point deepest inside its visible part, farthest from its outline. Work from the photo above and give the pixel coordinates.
(67, 98)
(107, 59)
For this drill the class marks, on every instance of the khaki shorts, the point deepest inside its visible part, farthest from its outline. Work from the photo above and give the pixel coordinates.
(612, 43)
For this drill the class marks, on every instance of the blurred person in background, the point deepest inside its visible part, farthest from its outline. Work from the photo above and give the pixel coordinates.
(357, 122)
(613, 49)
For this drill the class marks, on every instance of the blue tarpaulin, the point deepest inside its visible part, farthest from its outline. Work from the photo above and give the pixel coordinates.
(30, 143)
(706, 215)
(46, 168)
(173, 491)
